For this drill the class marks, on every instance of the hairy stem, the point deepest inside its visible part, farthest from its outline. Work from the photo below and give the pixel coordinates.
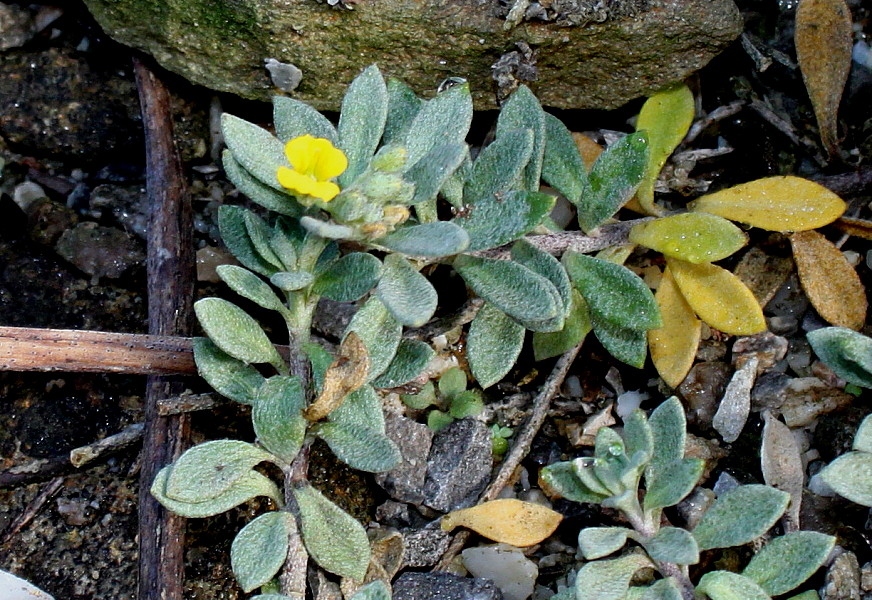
(293, 575)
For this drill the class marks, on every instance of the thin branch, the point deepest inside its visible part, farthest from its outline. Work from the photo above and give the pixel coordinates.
(33, 508)
(437, 327)
(79, 457)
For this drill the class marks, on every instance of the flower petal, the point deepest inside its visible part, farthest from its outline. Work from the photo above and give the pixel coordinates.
(295, 181)
(328, 161)
(325, 190)
(301, 154)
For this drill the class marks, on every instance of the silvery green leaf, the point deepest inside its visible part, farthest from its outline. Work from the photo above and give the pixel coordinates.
(326, 229)
(361, 408)
(846, 352)
(596, 542)
(567, 594)
(608, 444)
(663, 589)
(452, 382)
(850, 476)
(608, 579)
(210, 469)
(403, 105)
(585, 470)
(423, 399)
(510, 287)
(611, 474)
(628, 345)
(287, 240)
(328, 256)
(673, 483)
(498, 167)
(638, 436)
(575, 327)
(561, 479)
(445, 118)
(669, 427)
(235, 332)
(539, 261)
(863, 437)
(227, 376)
(613, 180)
(278, 416)
(260, 234)
(502, 217)
(493, 345)
(362, 121)
(523, 111)
(724, 585)
(250, 485)
(613, 293)
(410, 360)
(379, 332)
(360, 448)
(234, 234)
(673, 545)
(293, 281)
(808, 595)
(787, 561)
(468, 403)
(441, 238)
(271, 597)
(431, 172)
(334, 539)
(250, 286)
(377, 590)
(257, 150)
(294, 118)
(739, 516)
(320, 359)
(406, 293)
(562, 166)
(268, 197)
(260, 548)
(348, 278)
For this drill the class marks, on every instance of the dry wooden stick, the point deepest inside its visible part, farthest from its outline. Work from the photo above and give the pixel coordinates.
(32, 510)
(170, 271)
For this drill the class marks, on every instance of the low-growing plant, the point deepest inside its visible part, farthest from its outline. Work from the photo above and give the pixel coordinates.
(652, 449)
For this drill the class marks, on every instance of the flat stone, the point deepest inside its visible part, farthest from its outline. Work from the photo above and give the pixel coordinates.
(630, 53)
(405, 482)
(800, 400)
(424, 547)
(16, 26)
(444, 586)
(506, 566)
(843, 579)
(702, 389)
(100, 251)
(459, 465)
(735, 406)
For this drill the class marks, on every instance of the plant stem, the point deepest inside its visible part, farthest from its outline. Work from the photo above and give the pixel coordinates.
(647, 529)
(293, 575)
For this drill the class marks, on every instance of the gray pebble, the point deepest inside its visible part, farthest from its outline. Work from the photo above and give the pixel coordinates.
(444, 586)
(459, 465)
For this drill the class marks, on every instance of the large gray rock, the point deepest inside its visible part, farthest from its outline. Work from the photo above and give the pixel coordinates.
(223, 44)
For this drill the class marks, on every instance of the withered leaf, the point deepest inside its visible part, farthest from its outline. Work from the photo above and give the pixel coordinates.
(830, 282)
(673, 346)
(824, 40)
(506, 520)
(781, 464)
(345, 375)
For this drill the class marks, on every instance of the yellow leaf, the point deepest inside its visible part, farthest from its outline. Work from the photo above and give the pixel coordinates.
(666, 117)
(694, 237)
(673, 346)
(718, 297)
(782, 203)
(830, 282)
(507, 520)
(824, 39)
(344, 375)
(589, 149)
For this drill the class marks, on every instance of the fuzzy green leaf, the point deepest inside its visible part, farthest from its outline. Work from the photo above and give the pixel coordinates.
(441, 238)
(431, 172)
(850, 476)
(498, 167)
(327, 229)
(576, 326)
(503, 217)
(234, 234)
(235, 332)
(638, 435)
(423, 399)
(724, 585)
(278, 416)
(613, 292)
(673, 545)
(362, 121)
(334, 539)
(361, 408)
(348, 278)
(562, 167)
(510, 287)
(360, 448)
(403, 105)
(663, 589)
(493, 345)
(293, 118)
(560, 479)
(250, 485)
(260, 548)
(227, 376)
(452, 382)
(597, 542)
(286, 241)
(846, 352)
(292, 282)
(608, 579)
(466, 404)
(445, 118)
(250, 286)
(787, 561)
(377, 590)
(256, 149)
(693, 237)
(673, 483)
(739, 516)
(210, 469)
(406, 293)
(539, 261)
(268, 197)
(523, 111)
(410, 360)
(669, 427)
(260, 235)
(379, 332)
(625, 344)
(863, 437)
(613, 180)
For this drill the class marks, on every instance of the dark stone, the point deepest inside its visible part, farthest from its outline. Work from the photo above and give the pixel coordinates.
(459, 465)
(444, 586)
(702, 389)
(405, 482)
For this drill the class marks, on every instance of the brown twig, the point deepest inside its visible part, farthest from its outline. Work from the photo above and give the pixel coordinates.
(520, 447)
(170, 272)
(32, 510)
(436, 327)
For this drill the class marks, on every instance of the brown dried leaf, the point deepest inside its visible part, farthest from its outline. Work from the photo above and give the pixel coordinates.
(506, 520)
(824, 40)
(860, 228)
(763, 273)
(781, 464)
(830, 282)
(345, 375)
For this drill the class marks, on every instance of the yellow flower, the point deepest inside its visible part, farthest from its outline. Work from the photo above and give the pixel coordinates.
(314, 162)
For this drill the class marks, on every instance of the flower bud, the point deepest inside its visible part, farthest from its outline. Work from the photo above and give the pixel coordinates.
(390, 159)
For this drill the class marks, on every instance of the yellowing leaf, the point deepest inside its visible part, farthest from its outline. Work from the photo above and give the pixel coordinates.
(507, 520)
(829, 281)
(694, 237)
(345, 375)
(824, 40)
(782, 203)
(718, 297)
(673, 346)
(666, 117)
(589, 149)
